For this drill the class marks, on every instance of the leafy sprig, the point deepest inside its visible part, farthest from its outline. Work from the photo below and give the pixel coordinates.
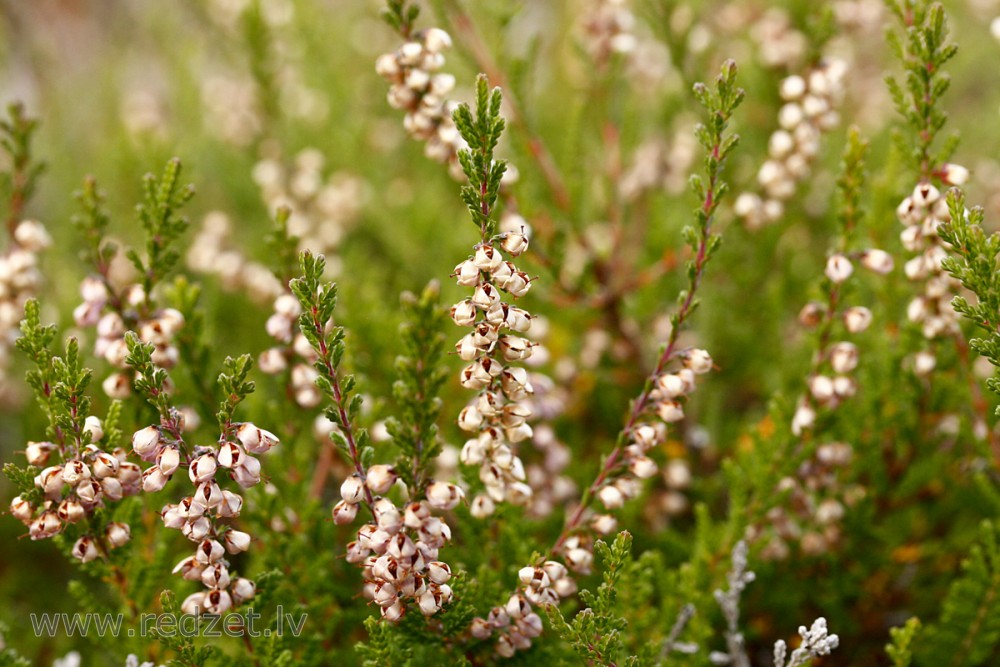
(974, 262)
(92, 221)
(235, 388)
(421, 376)
(18, 184)
(481, 132)
(401, 15)
(151, 381)
(596, 631)
(318, 300)
(923, 50)
(159, 216)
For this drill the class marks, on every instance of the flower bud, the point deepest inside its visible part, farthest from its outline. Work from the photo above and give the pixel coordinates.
(878, 261)
(202, 468)
(194, 603)
(217, 602)
(670, 411)
(857, 319)
(255, 440)
(380, 478)
(209, 551)
(74, 472)
(236, 541)
(85, 549)
(514, 243)
(438, 572)
(230, 455)
(168, 460)
(21, 509)
(642, 467)
(482, 506)
(38, 453)
(844, 357)
(247, 473)
(118, 534)
(699, 361)
(464, 313)
(611, 497)
(954, 174)
(145, 441)
(444, 495)
(838, 268)
(467, 273)
(243, 590)
(93, 426)
(352, 489)
(69, 511)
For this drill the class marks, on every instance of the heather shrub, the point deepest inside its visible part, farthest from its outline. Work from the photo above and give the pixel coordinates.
(709, 380)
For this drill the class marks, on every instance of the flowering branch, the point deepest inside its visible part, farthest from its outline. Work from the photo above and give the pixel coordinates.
(720, 106)
(318, 300)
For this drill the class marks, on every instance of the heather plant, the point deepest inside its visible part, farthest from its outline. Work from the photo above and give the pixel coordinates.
(711, 379)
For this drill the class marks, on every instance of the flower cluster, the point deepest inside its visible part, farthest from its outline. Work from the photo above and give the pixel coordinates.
(922, 213)
(817, 502)
(499, 414)
(210, 253)
(72, 490)
(607, 28)
(399, 549)
(420, 89)
(113, 315)
(323, 208)
(830, 382)
(516, 623)
(293, 351)
(202, 516)
(809, 110)
(19, 281)
(670, 389)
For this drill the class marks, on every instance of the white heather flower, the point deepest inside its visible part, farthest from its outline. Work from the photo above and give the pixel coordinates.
(344, 512)
(838, 268)
(352, 489)
(482, 506)
(168, 460)
(877, 260)
(611, 497)
(444, 495)
(857, 319)
(255, 440)
(118, 534)
(85, 549)
(92, 425)
(924, 362)
(145, 441)
(202, 468)
(698, 360)
(843, 357)
(380, 478)
(804, 418)
(954, 174)
(236, 541)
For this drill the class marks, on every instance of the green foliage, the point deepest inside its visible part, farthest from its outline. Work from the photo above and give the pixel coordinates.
(421, 376)
(158, 214)
(92, 221)
(318, 300)
(188, 655)
(968, 632)
(975, 265)
(282, 247)
(596, 631)
(481, 132)
(401, 14)
(18, 184)
(900, 651)
(924, 49)
(235, 388)
(151, 380)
